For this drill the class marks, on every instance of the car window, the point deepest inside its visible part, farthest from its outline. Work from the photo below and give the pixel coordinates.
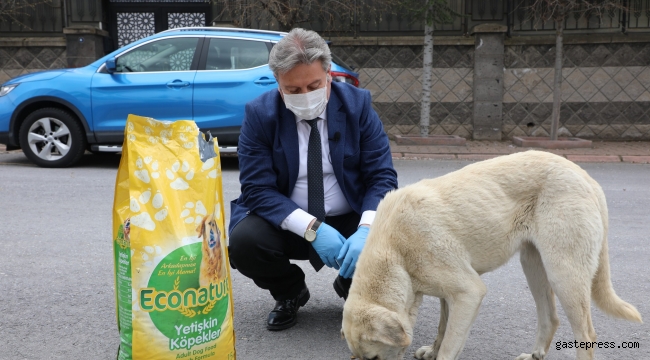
(229, 54)
(175, 54)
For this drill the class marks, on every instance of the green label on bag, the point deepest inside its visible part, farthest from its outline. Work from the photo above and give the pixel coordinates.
(122, 253)
(185, 312)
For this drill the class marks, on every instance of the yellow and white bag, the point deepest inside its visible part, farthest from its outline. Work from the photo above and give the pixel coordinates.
(172, 279)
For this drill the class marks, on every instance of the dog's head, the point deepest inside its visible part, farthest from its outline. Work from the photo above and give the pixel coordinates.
(209, 231)
(373, 332)
(127, 230)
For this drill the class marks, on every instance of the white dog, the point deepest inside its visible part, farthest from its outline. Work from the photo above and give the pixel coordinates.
(436, 237)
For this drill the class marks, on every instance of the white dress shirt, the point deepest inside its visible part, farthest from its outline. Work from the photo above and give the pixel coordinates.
(335, 202)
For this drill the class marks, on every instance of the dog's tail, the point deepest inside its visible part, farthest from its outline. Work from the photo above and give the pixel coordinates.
(603, 293)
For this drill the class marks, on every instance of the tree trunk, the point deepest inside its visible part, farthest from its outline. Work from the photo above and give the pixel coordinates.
(557, 81)
(427, 64)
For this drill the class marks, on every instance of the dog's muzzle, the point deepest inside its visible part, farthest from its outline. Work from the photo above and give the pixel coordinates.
(212, 242)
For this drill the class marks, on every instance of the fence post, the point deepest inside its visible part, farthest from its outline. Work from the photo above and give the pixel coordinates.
(508, 22)
(623, 13)
(65, 13)
(354, 21)
(488, 81)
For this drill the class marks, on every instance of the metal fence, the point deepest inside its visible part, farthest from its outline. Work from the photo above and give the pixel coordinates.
(638, 15)
(522, 19)
(362, 19)
(41, 17)
(85, 10)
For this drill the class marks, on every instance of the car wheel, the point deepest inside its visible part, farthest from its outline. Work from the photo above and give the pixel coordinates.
(52, 138)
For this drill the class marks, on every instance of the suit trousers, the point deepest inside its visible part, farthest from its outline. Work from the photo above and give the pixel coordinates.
(262, 252)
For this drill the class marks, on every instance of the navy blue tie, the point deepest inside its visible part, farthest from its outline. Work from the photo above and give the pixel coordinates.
(315, 192)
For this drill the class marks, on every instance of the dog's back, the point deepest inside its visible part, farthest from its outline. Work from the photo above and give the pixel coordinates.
(484, 203)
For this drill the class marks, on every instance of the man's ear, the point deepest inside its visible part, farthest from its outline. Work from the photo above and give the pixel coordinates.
(387, 328)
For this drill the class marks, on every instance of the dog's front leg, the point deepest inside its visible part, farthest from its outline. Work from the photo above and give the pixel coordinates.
(430, 352)
(464, 301)
(444, 315)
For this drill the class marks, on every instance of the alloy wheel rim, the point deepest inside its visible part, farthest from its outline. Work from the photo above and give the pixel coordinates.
(49, 139)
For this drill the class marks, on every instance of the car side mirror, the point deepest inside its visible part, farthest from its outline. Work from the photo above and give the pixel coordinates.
(110, 65)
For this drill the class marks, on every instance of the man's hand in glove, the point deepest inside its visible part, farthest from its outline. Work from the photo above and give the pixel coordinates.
(328, 244)
(350, 251)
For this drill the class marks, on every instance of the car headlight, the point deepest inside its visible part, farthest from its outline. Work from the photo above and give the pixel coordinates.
(6, 89)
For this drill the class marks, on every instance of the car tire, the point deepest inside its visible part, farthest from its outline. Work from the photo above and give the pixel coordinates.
(52, 138)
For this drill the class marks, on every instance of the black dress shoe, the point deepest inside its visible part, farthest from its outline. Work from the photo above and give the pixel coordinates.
(284, 314)
(342, 286)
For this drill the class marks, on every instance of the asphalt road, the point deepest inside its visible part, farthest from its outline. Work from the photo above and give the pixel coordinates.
(57, 287)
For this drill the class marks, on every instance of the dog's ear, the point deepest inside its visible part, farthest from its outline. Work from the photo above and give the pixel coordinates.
(201, 229)
(387, 328)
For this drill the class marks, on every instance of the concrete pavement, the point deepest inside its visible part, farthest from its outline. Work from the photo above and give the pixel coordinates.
(57, 297)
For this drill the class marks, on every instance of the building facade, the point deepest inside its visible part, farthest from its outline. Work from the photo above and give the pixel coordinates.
(493, 68)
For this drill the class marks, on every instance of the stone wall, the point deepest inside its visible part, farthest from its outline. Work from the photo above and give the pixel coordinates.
(22, 56)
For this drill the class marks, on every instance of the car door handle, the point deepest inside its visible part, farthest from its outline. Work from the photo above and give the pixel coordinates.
(265, 81)
(178, 84)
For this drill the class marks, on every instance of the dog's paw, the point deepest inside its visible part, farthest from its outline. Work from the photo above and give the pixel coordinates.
(152, 255)
(193, 212)
(426, 353)
(178, 183)
(210, 168)
(141, 203)
(188, 142)
(537, 355)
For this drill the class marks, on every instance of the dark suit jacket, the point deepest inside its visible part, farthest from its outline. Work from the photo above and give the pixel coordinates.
(268, 155)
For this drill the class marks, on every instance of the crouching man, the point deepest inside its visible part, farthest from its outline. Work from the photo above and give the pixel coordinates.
(314, 164)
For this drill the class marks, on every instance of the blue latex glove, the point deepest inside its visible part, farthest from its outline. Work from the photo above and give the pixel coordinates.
(350, 251)
(328, 243)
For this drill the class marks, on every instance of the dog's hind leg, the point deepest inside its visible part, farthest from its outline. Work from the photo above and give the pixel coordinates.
(575, 296)
(570, 267)
(547, 320)
(432, 351)
(464, 295)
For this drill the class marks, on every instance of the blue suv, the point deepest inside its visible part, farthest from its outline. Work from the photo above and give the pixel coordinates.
(204, 74)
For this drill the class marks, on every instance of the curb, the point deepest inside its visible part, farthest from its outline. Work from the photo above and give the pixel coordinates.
(636, 159)
(631, 159)
(594, 158)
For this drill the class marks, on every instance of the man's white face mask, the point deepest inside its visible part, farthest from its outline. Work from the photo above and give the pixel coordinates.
(307, 106)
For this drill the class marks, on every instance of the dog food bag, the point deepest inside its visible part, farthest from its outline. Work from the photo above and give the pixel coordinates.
(172, 282)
